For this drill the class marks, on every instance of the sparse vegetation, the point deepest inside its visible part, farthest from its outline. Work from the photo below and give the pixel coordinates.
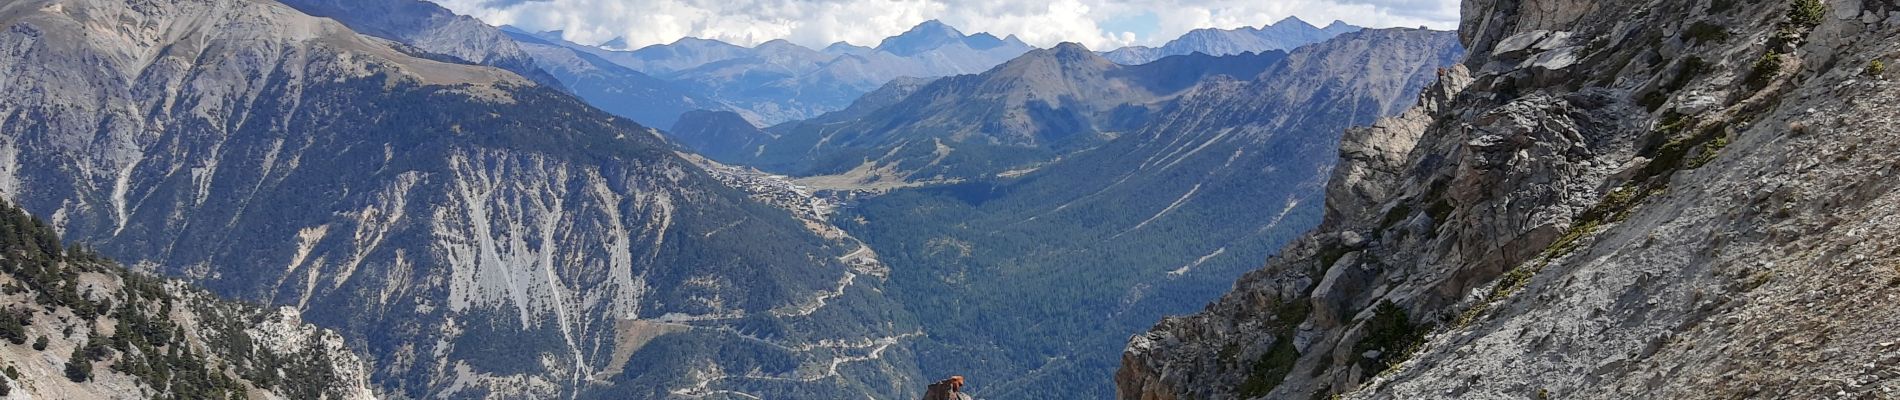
(1757, 280)
(1710, 149)
(144, 343)
(1718, 6)
(1268, 371)
(1806, 13)
(1392, 334)
(1704, 32)
(1875, 69)
(1614, 207)
(78, 367)
(12, 327)
(1764, 70)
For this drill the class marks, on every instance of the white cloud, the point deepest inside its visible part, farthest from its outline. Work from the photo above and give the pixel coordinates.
(815, 23)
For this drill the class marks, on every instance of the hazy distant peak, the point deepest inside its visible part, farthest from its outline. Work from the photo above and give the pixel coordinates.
(982, 41)
(845, 49)
(924, 37)
(1293, 21)
(618, 43)
(775, 44)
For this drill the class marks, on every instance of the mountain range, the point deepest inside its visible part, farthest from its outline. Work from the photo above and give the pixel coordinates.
(470, 229)
(1288, 34)
(778, 81)
(471, 232)
(1037, 270)
(1029, 110)
(383, 199)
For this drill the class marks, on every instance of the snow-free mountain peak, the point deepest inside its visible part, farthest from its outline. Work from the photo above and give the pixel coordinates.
(1292, 21)
(925, 36)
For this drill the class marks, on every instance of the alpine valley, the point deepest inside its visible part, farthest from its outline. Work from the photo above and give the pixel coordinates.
(299, 199)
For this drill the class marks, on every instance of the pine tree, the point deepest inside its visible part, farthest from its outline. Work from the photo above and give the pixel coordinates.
(78, 367)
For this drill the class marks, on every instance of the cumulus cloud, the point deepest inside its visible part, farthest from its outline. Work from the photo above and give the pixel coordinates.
(815, 23)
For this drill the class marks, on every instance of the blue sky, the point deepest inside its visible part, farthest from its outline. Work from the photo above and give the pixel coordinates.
(1099, 24)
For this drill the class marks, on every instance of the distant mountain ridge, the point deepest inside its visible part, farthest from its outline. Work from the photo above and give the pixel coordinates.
(1034, 108)
(778, 81)
(436, 30)
(1287, 34)
(612, 87)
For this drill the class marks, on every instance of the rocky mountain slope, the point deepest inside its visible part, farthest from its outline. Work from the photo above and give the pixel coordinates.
(1285, 35)
(1029, 110)
(99, 331)
(778, 81)
(1032, 279)
(1621, 199)
(431, 212)
(440, 33)
(432, 29)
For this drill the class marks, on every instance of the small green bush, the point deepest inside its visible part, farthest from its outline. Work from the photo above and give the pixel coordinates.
(1875, 69)
(1806, 13)
(1764, 70)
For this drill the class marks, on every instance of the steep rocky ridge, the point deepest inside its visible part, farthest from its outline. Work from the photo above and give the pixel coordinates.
(1032, 279)
(430, 28)
(435, 30)
(1622, 199)
(429, 211)
(99, 331)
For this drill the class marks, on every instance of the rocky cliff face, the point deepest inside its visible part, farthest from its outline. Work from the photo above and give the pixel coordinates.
(434, 213)
(75, 325)
(1612, 199)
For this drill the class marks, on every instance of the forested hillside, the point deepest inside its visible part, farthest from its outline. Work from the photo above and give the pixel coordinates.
(97, 330)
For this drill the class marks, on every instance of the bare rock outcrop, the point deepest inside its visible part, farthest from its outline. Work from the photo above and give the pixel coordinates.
(1629, 199)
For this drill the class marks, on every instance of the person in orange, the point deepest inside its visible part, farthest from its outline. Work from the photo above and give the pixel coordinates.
(948, 389)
